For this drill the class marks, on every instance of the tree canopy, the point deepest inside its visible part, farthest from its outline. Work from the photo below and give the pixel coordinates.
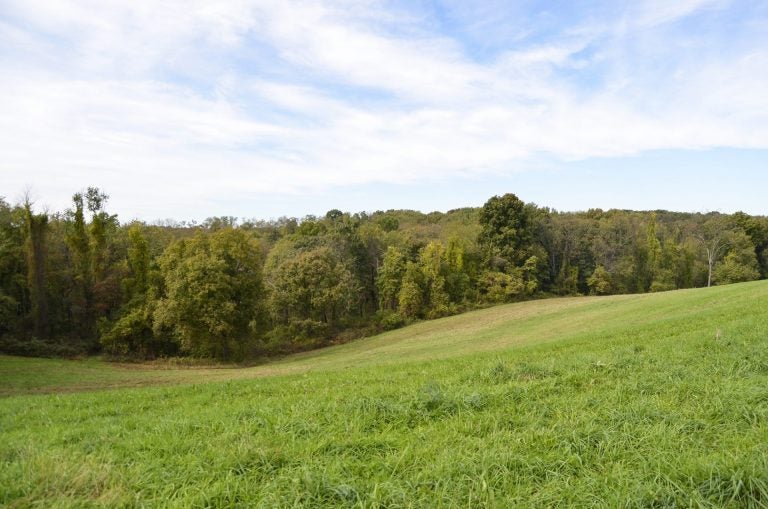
(80, 281)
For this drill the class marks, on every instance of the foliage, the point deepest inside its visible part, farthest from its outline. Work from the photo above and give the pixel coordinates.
(312, 293)
(131, 333)
(739, 264)
(36, 226)
(8, 310)
(600, 281)
(389, 278)
(14, 283)
(507, 231)
(33, 347)
(213, 293)
(410, 299)
(148, 290)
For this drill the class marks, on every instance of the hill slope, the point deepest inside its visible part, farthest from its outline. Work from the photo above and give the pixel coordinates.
(636, 401)
(498, 328)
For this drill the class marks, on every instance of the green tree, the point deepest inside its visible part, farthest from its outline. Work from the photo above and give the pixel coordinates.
(36, 248)
(410, 299)
(506, 233)
(529, 272)
(739, 263)
(311, 294)
(95, 292)
(433, 268)
(390, 277)
(571, 240)
(101, 222)
(388, 223)
(713, 238)
(14, 277)
(497, 287)
(653, 254)
(131, 333)
(457, 279)
(600, 281)
(612, 247)
(139, 262)
(757, 230)
(81, 289)
(213, 293)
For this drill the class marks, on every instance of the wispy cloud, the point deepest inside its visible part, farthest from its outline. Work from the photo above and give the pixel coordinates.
(288, 97)
(656, 12)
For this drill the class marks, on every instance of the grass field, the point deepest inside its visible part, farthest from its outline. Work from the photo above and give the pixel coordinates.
(631, 401)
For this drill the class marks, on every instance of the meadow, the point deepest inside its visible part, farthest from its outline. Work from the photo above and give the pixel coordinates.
(655, 400)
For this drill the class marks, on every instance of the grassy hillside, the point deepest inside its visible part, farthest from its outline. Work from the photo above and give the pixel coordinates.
(495, 329)
(633, 401)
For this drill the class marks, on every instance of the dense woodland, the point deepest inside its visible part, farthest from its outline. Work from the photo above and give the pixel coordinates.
(79, 281)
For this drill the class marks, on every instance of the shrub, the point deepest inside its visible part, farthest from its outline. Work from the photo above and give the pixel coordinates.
(38, 348)
(391, 320)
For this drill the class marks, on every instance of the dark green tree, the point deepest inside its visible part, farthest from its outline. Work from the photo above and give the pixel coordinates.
(507, 231)
(213, 294)
(312, 294)
(81, 289)
(739, 263)
(14, 282)
(36, 249)
(131, 333)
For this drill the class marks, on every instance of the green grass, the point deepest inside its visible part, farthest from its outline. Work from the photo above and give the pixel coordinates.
(633, 401)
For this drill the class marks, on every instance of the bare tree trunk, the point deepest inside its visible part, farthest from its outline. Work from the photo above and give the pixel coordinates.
(713, 246)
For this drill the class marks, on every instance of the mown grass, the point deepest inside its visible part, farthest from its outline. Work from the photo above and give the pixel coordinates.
(20, 375)
(642, 401)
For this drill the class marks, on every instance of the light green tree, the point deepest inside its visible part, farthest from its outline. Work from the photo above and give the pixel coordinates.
(497, 287)
(433, 269)
(410, 299)
(389, 278)
(600, 281)
(457, 280)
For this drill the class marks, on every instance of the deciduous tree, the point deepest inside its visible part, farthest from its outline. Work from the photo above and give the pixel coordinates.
(213, 293)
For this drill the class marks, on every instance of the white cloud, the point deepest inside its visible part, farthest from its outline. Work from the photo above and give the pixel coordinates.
(343, 99)
(657, 12)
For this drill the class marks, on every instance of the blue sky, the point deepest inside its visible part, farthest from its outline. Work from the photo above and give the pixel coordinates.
(187, 109)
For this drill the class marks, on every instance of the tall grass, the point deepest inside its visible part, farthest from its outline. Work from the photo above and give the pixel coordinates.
(652, 401)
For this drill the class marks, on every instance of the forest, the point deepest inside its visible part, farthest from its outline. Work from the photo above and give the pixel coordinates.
(81, 282)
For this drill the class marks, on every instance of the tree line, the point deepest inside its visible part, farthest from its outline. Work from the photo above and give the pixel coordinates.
(79, 281)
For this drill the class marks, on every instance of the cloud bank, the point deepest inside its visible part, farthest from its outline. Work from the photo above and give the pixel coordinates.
(170, 105)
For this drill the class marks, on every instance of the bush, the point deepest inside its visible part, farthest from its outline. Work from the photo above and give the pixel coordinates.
(499, 287)
(391, 320)
(8, 312)
(39, 348)
(300, 332)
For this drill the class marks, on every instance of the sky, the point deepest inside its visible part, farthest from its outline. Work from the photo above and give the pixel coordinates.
(258, 109)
